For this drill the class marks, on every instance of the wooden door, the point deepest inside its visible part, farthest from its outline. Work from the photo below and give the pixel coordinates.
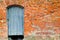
(15, 19)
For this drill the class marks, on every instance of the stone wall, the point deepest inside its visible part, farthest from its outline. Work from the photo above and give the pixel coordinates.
(41, 19)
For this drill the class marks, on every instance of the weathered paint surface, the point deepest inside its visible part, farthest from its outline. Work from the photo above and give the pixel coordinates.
(15, 16)
(42, 19)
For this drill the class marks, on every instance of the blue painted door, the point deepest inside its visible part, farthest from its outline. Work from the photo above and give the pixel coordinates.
(15, 18)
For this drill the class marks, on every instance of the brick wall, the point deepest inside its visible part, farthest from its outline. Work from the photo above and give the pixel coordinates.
(41, 19)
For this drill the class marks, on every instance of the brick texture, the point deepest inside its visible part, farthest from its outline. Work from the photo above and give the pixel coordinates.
(41, 19)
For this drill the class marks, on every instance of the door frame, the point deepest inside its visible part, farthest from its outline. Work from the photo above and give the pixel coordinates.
(21, 36)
